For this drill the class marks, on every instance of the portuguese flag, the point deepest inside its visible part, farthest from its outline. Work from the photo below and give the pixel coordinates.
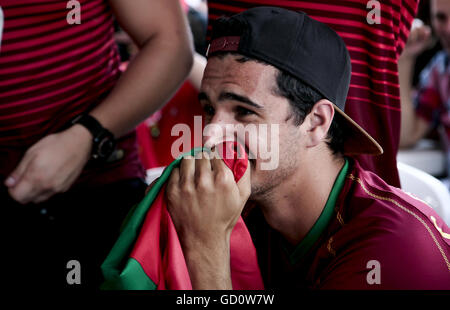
(148, 254)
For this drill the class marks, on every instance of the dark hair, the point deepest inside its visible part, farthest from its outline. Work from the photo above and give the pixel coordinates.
(300, 95)
(302, 98)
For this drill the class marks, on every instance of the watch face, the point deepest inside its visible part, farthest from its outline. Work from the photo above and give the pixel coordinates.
(105, 147)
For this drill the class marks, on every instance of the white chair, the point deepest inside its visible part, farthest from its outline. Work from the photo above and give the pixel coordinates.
(427, 188)
(426, 155)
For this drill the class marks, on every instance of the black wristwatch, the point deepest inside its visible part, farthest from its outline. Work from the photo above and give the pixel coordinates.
(104, 143)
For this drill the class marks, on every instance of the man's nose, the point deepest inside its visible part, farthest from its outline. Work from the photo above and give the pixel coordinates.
(218, 130)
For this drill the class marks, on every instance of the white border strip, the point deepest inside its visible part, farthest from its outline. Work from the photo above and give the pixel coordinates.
(1, 25)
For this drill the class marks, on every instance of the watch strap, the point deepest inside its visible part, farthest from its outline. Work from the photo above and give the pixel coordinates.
(101, 137)
(91, 124)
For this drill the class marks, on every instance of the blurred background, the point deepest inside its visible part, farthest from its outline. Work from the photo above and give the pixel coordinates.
(429, 153)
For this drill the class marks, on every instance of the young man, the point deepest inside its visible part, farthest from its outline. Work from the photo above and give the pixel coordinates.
(374, 45)
(318, 219)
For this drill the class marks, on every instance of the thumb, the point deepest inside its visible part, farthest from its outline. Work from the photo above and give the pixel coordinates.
(244, 184)
(18, 173)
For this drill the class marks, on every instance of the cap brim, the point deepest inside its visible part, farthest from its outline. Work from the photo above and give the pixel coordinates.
(357, 140)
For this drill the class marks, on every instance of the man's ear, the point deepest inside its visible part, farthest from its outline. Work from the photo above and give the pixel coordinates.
(318, 121)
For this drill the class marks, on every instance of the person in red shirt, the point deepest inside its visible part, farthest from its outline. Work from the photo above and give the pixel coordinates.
(317, 218)
(69, 165)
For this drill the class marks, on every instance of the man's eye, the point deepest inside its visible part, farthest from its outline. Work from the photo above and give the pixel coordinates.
(441, 17)
(241, 111)
(209, 110)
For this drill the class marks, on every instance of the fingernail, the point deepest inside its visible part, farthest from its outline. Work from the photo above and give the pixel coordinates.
(10, 181)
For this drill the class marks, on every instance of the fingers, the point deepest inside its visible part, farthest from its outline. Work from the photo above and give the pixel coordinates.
(204, 200)
(173, 187)
(23, 192)
(205, 169)
(14, 178)
(187, 170)
(29, 190)
(19, 187)
(202, 161)
(203, 173)
(244, 184)
(419, 33)
(195, 170)
(422, 33)
(174, 180)
(222, 174)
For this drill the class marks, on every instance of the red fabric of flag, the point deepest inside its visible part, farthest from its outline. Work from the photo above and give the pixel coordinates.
(158, 252)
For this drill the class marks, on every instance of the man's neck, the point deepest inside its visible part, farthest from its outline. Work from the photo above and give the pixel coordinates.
(293, 207)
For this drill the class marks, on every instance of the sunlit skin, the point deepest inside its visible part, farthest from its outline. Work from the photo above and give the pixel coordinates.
(204, 207)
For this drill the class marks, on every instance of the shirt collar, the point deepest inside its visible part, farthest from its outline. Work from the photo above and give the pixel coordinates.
(324, 219)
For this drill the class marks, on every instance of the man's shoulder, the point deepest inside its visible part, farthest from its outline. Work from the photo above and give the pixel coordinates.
(370, 200)
(380, 198)
(381, 224)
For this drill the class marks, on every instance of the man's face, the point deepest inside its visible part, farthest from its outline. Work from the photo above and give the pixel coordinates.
(440, 13)
(236, 95)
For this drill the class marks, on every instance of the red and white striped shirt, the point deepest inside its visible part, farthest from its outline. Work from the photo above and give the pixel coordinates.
(374, 96)
(52, 70)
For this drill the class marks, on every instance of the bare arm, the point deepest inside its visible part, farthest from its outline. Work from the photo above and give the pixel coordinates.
(413, 128)
(209, 267)
(160, 30)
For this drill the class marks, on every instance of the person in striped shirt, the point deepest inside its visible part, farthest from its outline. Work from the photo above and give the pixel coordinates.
(69, 165)
(374, 95)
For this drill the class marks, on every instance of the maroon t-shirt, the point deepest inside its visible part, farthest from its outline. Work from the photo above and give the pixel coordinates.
(379, 237)
(373, 99)
(51, 70)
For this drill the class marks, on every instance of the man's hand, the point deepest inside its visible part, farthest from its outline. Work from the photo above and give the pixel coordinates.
(50, 166)
(205, 203)
(418, 40)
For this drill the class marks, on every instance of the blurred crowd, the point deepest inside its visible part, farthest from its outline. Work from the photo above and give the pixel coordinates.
(424, 73)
